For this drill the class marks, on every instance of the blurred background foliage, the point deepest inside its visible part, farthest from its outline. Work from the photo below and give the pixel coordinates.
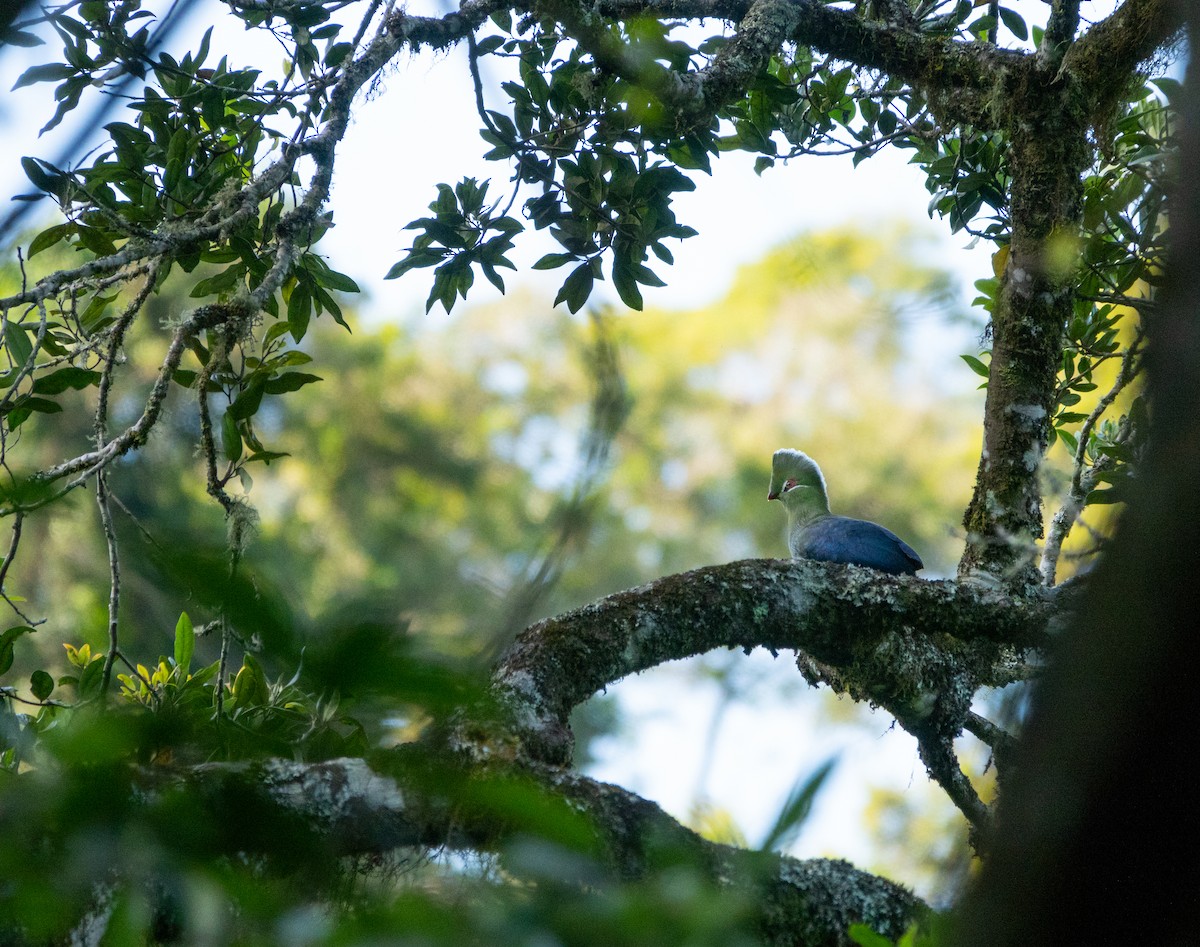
(442, 489)
(437, 449)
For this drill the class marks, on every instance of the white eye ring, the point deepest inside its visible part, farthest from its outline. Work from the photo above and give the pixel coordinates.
(790, 485)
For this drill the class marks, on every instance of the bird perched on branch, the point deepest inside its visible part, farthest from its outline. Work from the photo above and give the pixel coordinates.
(815, 533)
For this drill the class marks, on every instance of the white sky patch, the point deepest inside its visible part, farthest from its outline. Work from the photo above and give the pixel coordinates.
(506, 378)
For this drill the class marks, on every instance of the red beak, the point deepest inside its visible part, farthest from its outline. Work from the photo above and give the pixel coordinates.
(772, 496)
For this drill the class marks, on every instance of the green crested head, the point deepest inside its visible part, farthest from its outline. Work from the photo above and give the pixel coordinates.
(797, 482)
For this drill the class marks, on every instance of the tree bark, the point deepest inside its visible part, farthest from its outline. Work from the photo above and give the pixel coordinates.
(416, 796)
(892, 640)
(1048, 153)
(1092, 844)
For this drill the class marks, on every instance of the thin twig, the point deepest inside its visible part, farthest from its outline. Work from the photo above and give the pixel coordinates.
(206, 317)
(115, 347)
(942, 763)
(996, 737)
(18, 520)
(1083, 481)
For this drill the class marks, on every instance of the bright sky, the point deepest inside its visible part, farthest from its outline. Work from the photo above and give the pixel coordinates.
(420, 128)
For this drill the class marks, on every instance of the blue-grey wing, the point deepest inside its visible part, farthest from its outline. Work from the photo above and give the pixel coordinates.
(858, 542)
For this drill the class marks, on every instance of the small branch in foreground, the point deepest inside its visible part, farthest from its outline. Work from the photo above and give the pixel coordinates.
(937, 753)
(1084, 478)
(206, 317)
(13, 544)
(116, 345)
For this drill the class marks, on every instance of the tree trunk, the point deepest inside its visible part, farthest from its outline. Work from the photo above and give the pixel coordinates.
(1047, 158)
(1093, 845)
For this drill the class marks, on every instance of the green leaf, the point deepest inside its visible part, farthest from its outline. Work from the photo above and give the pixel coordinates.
(977, 366)
(410, 262)
(293, 357)
(225, 280)
(289, 381)
(299, 311)
(492, 276)
(797, 808)
(554, 260)
(7, 641)
(41, 684)
(99, 242)
(246, 404)
(1015, 24)
(19, 38)
(445, 287)
(231, 440)
(266, 456)
(577, 288)
(25, 406)
(274, 332)
(57, 382)
(981, 26)
(185, 644)
(646, 276)
(490, 45)
(250, 687)
(1117, 452)
(339, 281)
(49, 237)
(336, 54)
(326, 277)
(92, 678)
(43, 175)
(95, 315)
(50, 72)
(626, 284)
(329, 304)
(18, 344)
(865, 936)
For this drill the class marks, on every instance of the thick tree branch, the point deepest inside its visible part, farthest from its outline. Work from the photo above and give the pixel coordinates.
(694, 97)
(1060, 31)
(415, 797)
(1098, 807)
(1046, 124)
(960, 78)
(1104, 60)
(765, 27)
(937, 753)
(919, 648)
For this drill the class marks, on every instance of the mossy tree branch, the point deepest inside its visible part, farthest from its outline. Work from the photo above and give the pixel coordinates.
(418, 797)
(919, 649)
